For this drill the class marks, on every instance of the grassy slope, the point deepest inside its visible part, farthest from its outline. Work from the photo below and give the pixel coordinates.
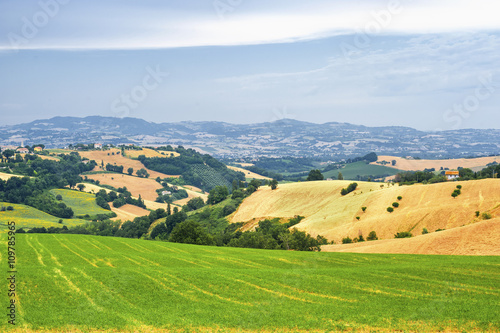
(75, 282)
(329, 214)
(29, 217)
(81, 202)
(352, 170)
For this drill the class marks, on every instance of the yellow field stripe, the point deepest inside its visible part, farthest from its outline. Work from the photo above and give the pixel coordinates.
(79, 255)
(38, 255)
(191, 285)
(54, 258)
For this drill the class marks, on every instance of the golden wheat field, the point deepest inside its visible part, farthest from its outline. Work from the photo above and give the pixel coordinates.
(413, 165)
(334, 216)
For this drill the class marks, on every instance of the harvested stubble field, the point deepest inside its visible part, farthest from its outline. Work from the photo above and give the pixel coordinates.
(329, 214)
(248, 174)
(117, 159)
(146, 187)
(71, 283)
(150, 153)
(453, 164)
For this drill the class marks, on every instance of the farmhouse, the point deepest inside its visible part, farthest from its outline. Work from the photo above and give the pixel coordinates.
(98, 145)
(37, 149)
(451, 175)
(22, 150)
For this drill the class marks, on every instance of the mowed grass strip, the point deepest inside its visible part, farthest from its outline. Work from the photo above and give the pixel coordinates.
(88, 283)
(81, 202)
(28, 217)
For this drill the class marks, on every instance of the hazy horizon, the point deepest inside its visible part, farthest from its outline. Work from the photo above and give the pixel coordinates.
(426, 66)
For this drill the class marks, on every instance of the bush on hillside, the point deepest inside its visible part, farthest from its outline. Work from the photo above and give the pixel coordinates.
(403, 234)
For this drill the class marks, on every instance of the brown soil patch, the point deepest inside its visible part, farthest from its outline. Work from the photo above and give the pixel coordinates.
(481, 238)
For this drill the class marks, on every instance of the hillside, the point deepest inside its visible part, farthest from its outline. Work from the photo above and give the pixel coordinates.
(452, 164)
(110, 284)
(329, 214)
(481, 238)
(113, 156)
(248, 174)
(28, 217)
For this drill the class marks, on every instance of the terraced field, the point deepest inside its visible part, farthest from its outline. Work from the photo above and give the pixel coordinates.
(28, 217)
(76, 283)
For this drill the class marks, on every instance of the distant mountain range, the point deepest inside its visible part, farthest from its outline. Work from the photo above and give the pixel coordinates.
(284, 137)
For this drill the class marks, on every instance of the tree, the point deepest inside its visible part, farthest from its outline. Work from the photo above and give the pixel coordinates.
(274, 184)
(130, 171)
(346, 240)
(395, 204)
(314, 175)
(80, 187)
(8, 153)
(390, 209)
(217, 194)
(190, 232)
(340, 176)
(142, 173)
(372, 236)
(195, 203)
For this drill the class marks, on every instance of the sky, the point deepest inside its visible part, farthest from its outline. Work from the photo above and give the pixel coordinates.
(430, 65)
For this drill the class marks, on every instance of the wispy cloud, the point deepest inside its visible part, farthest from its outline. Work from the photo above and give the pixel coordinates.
(151, 24)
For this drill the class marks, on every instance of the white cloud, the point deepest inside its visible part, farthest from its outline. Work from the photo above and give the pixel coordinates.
(96, 25)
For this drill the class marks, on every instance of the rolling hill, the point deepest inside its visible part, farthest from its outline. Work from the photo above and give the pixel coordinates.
(78, 283)
(415, 165)
(329, 214)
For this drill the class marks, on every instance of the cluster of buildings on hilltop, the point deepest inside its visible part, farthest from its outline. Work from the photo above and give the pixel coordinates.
(21, 150)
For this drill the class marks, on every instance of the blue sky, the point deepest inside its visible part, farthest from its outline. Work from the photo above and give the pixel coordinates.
(399, 62)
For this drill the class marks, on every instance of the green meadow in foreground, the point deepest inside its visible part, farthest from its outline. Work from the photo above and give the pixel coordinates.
(82, 283)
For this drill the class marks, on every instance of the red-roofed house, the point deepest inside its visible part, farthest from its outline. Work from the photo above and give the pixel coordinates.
(452, 175)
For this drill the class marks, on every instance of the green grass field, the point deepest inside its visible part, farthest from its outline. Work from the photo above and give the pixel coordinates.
(352, 170)
(28, 217)
(81, 202)
(83, 283)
